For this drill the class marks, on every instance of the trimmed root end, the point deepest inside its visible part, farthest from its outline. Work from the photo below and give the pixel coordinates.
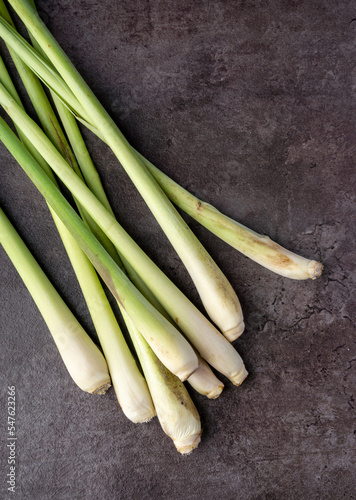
(315, 269)
(188, 444)
(235, 332)
(215, 393)
(101, 390)
(238, 378)
(141, 419)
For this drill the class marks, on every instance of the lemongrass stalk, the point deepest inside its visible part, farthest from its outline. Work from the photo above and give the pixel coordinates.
(218, 296)
(175, 410)
(83, 360)
(212, 346)
(257, 247)
(93, 181)
(130, 386)
(204, 381)
(49, 124)
(54, 82)
(173, 350)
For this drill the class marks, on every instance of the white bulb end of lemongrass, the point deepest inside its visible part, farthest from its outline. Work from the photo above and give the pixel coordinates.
(219, 299)
(215, 393)
(87, 367)
(205, 382)
(235, 332)
(238, 377)
(143, 415)
(187, 445)
(315, 269)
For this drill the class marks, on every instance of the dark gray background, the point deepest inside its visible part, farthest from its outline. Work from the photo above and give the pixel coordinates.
(251, 106)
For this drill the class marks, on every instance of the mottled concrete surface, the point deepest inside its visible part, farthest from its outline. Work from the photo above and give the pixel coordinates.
(251, 106)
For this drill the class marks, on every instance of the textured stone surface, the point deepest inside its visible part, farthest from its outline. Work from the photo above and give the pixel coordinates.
(251, 106)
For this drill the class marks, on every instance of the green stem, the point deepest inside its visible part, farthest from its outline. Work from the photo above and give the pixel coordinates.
(257, 247)
(173, 350)
(218, 297)
(83, 360)
(211, 345)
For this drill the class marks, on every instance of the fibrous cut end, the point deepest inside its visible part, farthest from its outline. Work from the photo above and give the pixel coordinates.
(188, 444)
(238, 378)
(315, 269)
(216, 391)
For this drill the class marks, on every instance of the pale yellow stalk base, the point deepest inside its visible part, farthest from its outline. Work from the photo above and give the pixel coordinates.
(187, 445)
(204, 381)
(238, 377)
(235, 332)
(175, 410)
(256, 246)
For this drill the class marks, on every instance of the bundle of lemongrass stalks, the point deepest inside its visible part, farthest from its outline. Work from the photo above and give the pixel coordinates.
(173, 340)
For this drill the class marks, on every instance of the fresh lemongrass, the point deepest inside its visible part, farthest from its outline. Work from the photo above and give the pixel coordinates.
(218, 297)
(82, 358)
(49, 123)
(173, 350)
(132, 395)
(204, 381)
(257, 247)
(175, 410)
(129, 384)
(212, 346)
